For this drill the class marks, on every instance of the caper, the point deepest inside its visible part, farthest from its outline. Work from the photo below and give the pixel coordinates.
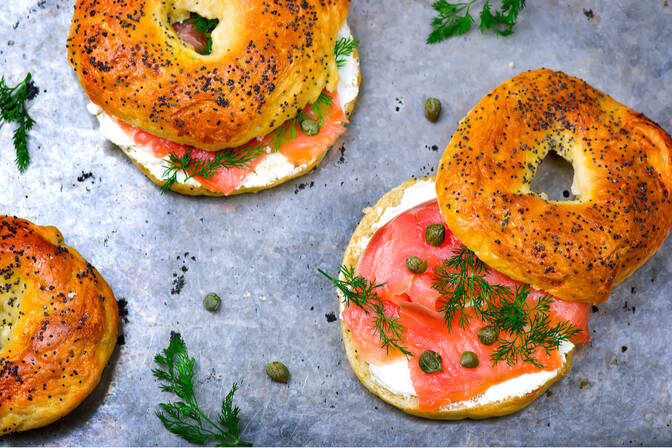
(211, 302)
(278, 372)
(432, 109)
(430, 362)
(416, 265)
(435, 234)
(488, 334)
(310, 127)
(469, 360)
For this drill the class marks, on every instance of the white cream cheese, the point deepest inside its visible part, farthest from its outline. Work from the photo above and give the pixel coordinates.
(274, 166)
(396, 376)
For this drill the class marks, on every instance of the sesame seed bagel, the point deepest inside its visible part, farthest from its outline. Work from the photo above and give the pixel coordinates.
(59, 326)
(268, 61)
(575, 250)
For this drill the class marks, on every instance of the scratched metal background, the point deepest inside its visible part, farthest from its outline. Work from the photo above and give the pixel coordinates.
(260, 252)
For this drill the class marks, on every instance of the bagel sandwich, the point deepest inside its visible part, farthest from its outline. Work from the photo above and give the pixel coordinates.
(59, 326)
(243, 106)
(402, 292)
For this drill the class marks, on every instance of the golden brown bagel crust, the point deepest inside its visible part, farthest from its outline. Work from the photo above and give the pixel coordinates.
(59, 326)
(455, 411)
(575, 250)
(268, 60)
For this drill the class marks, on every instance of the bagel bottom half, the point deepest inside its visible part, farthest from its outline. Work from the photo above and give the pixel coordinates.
(58, 327)
(408, 403)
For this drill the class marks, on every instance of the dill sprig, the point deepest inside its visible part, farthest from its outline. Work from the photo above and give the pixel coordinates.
(190, 166)
(465, 293)
(13, 110)
(356, 290)
(454, 19)
(240, 157)
(503, 21)
(184, 417)
(345, 46)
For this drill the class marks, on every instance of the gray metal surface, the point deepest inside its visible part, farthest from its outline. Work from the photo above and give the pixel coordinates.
(260, 252)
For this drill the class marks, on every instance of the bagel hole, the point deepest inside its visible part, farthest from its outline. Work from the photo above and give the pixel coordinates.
(196, 31)
(554, 178)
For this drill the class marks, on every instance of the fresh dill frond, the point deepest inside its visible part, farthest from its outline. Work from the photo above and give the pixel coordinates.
(191, 166)
(502, 21)
(453, 19)
(344, 47)
(13, 109)
(322, 107)
(466, 294)
(184, 417)
(356, 290)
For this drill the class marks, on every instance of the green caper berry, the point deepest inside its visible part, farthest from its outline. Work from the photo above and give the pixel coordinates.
(430, 362)
(310, 127)
(469, 360)
(435, 234)
(432, 109)
(416, 265)
(488, 334)
(278, 372)
(211, 302)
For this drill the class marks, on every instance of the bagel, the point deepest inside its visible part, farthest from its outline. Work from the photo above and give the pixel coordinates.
(268, 61)
(59, 326)
(390, 381)
(151, 147)
(576, 250)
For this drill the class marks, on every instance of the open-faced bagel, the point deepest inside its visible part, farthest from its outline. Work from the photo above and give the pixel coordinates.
(473, 409)
(575, 250)
(58, 330)
(268, 60)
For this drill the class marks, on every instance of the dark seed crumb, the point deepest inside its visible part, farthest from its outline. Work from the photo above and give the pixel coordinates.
(589, 14)
(123, 309)
(121, 339)
(331, 317)
(594, 309)
(84, 176)
(624, 349)
(549, 393)
(583, 384)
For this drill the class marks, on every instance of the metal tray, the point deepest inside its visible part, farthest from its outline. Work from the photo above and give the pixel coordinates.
(260, 252)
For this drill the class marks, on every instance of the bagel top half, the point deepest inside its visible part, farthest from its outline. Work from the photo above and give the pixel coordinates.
(58, 327)
(576, 250)
(268, 60)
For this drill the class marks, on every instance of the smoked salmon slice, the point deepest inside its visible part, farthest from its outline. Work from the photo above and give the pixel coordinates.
(301, 150)
(411, 298)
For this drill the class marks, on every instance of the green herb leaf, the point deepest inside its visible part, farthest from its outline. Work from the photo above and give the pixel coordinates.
(13, 110)
(345, 46)
(453, 19)
(502, 21)
(190, 166)
(466, 294)
(356, 290)
(184, 418)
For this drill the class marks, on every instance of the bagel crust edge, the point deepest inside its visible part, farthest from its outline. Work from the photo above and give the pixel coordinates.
(63, 327)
